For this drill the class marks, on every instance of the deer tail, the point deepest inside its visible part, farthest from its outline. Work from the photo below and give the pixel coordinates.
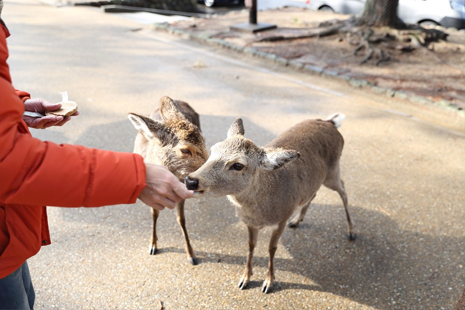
(336, 119)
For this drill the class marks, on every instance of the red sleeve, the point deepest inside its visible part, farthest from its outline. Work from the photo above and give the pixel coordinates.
(44, 173)
(23, 95)
(34, 172)
(5, 70)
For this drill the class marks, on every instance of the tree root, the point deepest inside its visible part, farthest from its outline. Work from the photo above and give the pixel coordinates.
(375, 42)
(366, 42)
(283, 34)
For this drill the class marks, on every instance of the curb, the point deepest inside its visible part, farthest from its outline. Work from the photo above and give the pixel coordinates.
(113, 8)
(203, 38)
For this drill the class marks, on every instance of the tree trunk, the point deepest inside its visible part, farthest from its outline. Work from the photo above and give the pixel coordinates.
(380, 13)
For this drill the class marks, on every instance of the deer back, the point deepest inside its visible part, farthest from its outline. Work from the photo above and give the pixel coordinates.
(267, 184)
(274, 195)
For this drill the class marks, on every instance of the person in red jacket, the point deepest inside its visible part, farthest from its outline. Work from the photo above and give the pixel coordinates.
(29, 181)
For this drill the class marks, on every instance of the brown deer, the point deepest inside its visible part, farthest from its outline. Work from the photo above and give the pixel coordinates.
(268, 184)
(171, 137)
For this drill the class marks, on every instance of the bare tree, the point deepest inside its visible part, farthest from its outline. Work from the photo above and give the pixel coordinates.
(380, 13)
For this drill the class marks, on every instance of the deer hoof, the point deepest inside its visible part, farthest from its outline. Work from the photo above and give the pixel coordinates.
(351, 236)
(193, 260)
(153, 250)
(266, 287)
(243, 284)
(292, 224)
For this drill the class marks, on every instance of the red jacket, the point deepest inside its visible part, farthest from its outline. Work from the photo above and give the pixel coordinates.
(34, 173)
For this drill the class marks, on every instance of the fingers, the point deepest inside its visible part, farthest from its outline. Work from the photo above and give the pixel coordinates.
(166, 197)
(50, 106)
(49, 121)
(168, 203)
(46, 121)
(43, 122)
(158, 207)
(40, 105)
(177, 192)
(156, 200)
(162, 188)
(64, 121)
(182, 192)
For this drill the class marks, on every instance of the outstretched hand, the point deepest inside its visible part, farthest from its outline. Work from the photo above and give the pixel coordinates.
(41, 106)
(162, 188)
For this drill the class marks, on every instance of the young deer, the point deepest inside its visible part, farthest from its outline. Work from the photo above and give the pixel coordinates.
(268, 184)
(171, 137)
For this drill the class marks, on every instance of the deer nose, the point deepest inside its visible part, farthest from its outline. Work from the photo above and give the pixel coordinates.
(192, 184)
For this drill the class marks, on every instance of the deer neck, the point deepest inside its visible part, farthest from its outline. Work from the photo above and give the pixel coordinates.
(252, 194)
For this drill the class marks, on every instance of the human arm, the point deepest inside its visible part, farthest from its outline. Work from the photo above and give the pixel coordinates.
(37, 172)
(44, 173)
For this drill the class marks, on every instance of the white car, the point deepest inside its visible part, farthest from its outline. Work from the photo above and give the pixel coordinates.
(211, 3)
(447, 13)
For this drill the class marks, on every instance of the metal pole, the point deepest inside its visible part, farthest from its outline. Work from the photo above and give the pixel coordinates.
(253, 12)
(252, 26)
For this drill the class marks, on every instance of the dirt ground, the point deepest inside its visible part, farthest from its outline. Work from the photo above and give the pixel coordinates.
(436, 73)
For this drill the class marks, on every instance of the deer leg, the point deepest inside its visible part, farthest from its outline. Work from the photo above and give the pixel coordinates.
(343, 194)
(153, 243)
(182, 222)
(253, 234)
(333, 181)
(300, 217)
(268, 284)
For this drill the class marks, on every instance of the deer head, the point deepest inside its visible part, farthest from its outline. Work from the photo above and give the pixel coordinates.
(172, 141)
(233, 164)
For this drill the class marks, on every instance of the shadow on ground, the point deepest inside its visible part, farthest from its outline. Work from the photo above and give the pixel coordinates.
(377, 269)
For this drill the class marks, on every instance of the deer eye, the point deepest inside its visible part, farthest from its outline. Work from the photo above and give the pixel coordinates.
(237, 166)
(186, 151)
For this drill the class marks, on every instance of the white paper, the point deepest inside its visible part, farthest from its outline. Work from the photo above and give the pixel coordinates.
(33, 114)
(64, 96)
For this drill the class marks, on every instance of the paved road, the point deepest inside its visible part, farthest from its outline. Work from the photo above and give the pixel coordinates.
(404, 178)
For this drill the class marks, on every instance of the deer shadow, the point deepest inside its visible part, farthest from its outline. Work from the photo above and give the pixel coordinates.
(386, 267)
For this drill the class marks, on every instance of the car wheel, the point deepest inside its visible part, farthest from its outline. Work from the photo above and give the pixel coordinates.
(428, 23)
(209, 3)
(326, 8)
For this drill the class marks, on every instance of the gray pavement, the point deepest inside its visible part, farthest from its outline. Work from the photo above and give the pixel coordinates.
(404, 177)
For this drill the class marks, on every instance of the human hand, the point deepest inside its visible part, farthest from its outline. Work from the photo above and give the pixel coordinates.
(41, 106)
(162, 188)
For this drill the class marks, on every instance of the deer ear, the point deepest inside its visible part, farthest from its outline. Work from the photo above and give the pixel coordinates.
(237, 128)
(272, 159)
(147, 126)
(169, 109)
